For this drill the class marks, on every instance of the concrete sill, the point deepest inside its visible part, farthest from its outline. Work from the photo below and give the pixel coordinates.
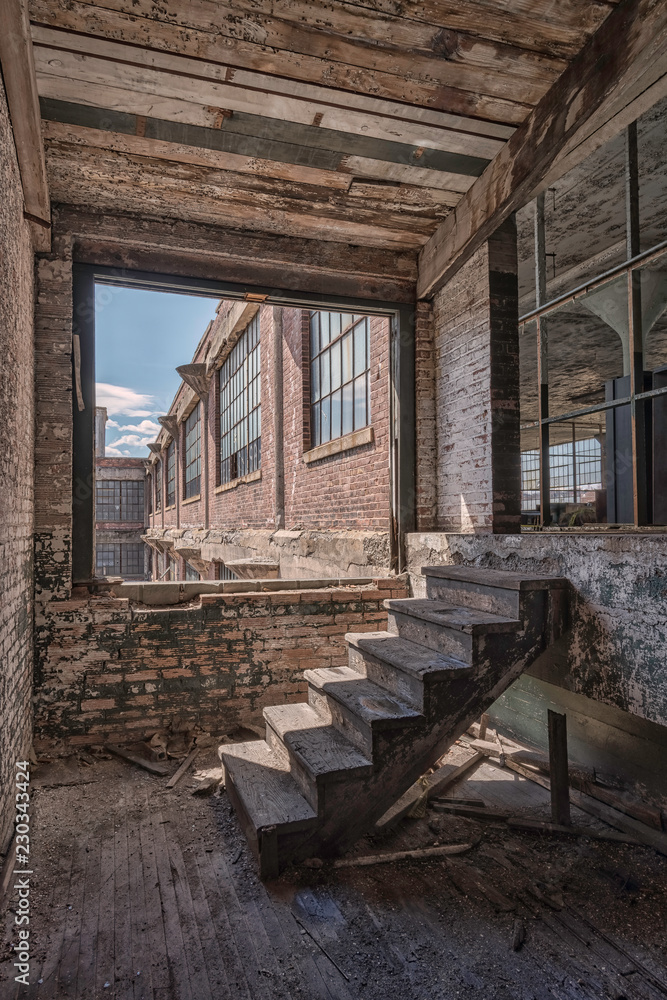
(346, 443)
(172, 507)
(251, 477)
(191, 500)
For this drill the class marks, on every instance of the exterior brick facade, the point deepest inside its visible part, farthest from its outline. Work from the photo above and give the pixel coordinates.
(16, 474)
(112, 670)
(345, 491)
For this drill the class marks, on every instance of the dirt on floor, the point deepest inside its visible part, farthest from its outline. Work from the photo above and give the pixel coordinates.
(147, 893)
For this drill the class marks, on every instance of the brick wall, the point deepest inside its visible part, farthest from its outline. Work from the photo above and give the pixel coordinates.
(116, 671)
(477, 392)
(425, 419)
(16, 475)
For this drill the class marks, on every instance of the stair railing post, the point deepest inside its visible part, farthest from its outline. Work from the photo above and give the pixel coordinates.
(558, 767)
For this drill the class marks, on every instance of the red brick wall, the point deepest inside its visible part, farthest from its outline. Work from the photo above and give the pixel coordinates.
(425, 419)
(16, 473)
(477, 392)
(112, 671)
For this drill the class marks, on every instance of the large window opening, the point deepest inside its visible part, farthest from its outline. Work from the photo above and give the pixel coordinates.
(339, 374)
(241, 407)
(593, 338)
(193, 453)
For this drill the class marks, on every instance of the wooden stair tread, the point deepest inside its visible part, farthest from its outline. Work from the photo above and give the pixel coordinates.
(318, 746)
(462, 619)
(505, 579)
(410, 657)
(263, 781)
(374, 705)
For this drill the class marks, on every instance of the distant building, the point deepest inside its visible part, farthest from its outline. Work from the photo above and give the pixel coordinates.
(274, 458)
(121, 511)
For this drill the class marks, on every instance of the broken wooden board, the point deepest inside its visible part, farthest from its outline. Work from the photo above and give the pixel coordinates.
(542, 826)
(132, 758)
(178, 774)
(423, 852)
(434, 784)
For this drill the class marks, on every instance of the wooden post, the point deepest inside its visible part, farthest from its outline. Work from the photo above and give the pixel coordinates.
(558, 767)
(483, 723)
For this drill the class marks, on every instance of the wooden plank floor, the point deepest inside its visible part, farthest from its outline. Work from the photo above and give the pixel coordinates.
(141, 893)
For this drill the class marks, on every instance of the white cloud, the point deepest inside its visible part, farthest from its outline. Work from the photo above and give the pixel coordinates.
(133, 441)
(111, 452)
(144, 427)
(119, 400)
(112, 423)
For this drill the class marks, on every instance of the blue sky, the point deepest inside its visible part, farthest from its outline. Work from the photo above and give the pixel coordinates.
(140, 337)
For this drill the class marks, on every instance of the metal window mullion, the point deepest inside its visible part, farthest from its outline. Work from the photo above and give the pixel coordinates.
(542, 362)
(637, 407)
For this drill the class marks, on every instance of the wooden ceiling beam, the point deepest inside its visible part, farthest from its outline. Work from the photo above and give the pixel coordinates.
(201, 250)
(213, 88)
(630, 45)
(18, 71)
(437, 82)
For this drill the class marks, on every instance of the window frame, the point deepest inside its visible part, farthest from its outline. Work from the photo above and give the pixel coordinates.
(123, 503)
(239, 385)
(158, 486)
(171, 475)
(321, 404)
(192, 461)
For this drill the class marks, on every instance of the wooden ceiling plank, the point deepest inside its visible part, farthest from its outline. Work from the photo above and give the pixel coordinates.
(18, 72)
(400, 47)
(630, 45)
(257, 93)
(401, 83)
(89, 70)
(265, 85)
(61, 88)
(79, 135)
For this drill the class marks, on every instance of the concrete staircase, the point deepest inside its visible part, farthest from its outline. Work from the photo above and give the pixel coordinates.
(330, 767)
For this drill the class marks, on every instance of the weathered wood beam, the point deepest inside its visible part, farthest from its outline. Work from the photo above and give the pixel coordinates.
(159, 188)
(18, 71)
(268, 138)
(630, 44)
(235, 89)
(305, 54)
(196, 249)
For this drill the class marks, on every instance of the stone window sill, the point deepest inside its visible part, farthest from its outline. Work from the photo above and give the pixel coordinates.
(346, 443)
(191, 500)
(171, 507)
(251, 477)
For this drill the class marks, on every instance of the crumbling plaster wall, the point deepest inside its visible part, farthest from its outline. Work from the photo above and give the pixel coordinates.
(16, 473)
(615, 652)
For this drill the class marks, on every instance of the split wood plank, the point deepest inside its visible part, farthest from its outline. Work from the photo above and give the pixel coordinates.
(324, 59)
(541, 826)
(445, 850)
(154, 930)
(85, 978)
(178, 774)
(148, 765)
(435, 784)
(180, 960)
(633, 41)
(472, 812)
(18, 73)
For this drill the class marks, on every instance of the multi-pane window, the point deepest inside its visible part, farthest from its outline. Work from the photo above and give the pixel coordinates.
(149, 498)
(158, 487)
(240, 407)
(222, 572)
(191, 574)
(117, 500)
(593, 338)
(124, 559)
(171, 474)
(339, 374)
(193, 453)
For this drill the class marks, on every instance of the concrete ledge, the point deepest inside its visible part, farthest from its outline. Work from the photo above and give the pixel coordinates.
(251, 477)
(335, 447)
(191, 500)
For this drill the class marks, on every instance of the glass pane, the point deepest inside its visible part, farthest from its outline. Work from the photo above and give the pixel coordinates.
(334, 322)
(314, 335)
(651, 145)
(654, 313)
(335, 366)
(360, 349)
(348, 408)
(346, 320)
(324, 330)
(581, 467)
(528, 389)
(336, 406)
(360, 402)
(588, 348)
(326, 419)
(347, 345)
(530, 476)
(325, 373)
(315, 380)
